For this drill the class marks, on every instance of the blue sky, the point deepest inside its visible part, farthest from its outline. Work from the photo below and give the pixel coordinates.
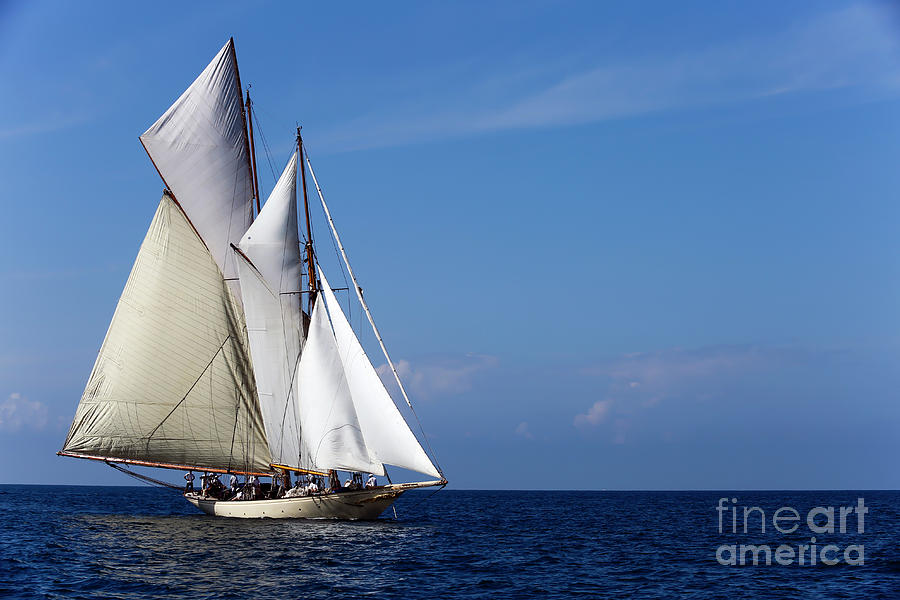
(623, 246)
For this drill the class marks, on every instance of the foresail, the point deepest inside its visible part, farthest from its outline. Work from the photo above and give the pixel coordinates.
(272, 243)
(199, 145)
(173, 381)
(270, 284)
(387, 435)
(331, 435)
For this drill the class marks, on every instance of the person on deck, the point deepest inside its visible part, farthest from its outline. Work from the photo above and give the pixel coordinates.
(285, 481)
(213, 486)
(371, 482)
(189, 478)
(233, 483)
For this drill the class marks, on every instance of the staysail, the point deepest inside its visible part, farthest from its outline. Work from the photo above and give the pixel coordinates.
(332, 437)
(200, 148)
(269, 271)
(173, 383)
(388, 437)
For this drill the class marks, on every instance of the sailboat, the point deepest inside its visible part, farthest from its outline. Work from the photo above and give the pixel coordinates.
(211, 363)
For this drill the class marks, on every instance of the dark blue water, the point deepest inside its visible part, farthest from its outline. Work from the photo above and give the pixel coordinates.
(142, 542)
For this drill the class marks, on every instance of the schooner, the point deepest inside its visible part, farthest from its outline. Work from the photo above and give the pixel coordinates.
(210, 362)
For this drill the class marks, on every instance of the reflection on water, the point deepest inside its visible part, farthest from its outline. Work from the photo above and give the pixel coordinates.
(95, 542)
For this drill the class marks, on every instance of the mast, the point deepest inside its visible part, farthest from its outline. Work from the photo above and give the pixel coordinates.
(253, 168)
(309, 247)
(247, 137)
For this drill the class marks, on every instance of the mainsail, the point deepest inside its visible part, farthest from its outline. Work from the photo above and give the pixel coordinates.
(173, 383)
(269, 267)
(200, 148)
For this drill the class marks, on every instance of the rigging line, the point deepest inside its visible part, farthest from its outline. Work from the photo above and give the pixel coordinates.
(145, 478)
(428, 497)
(262, 136)
(212, 406)
(290, 396)
(369, 315)
(340, 289)
(237, 414)
(150, 435)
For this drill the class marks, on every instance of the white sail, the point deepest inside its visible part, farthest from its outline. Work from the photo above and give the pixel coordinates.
(332, 438)
(387, 435)
(270, 291)
(272, 243)
(199, 146)
(173, 382)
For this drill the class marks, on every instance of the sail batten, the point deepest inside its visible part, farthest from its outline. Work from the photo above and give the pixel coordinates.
(173, 381)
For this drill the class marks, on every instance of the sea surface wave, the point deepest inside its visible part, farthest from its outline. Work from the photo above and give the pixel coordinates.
(144, 542)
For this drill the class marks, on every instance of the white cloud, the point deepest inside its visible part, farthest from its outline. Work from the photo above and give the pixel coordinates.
(639, 381)
(437, 377)
(595, 415)
(45, 125)
(655, 373)
(524, 431)
(17, 412)
(848, 48)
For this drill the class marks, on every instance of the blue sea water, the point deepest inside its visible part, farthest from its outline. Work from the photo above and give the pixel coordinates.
(144, 542)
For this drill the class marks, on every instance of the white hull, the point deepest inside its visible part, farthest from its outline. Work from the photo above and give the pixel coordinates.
(358, 505)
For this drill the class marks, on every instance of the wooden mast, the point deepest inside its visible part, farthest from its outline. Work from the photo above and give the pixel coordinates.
(309, 247)
(247, 137)
(253, 168)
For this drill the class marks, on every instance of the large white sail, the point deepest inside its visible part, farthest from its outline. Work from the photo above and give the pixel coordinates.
(388, 437)
(270, 285)
(332, 438)
(199, 145)
(173, 382)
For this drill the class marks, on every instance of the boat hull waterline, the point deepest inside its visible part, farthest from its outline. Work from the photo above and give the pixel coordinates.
(361, 505)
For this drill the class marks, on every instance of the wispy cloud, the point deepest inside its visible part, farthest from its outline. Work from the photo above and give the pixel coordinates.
(635, 383)
(849, 48)
(18, 412)
(438, 377)
(51, 123)
(523, 430)
(595, 415)
(652, 376)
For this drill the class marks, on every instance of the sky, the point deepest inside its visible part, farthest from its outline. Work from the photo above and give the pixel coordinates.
(610, 245)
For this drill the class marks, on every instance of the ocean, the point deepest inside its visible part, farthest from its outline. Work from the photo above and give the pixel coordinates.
(145, 542)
